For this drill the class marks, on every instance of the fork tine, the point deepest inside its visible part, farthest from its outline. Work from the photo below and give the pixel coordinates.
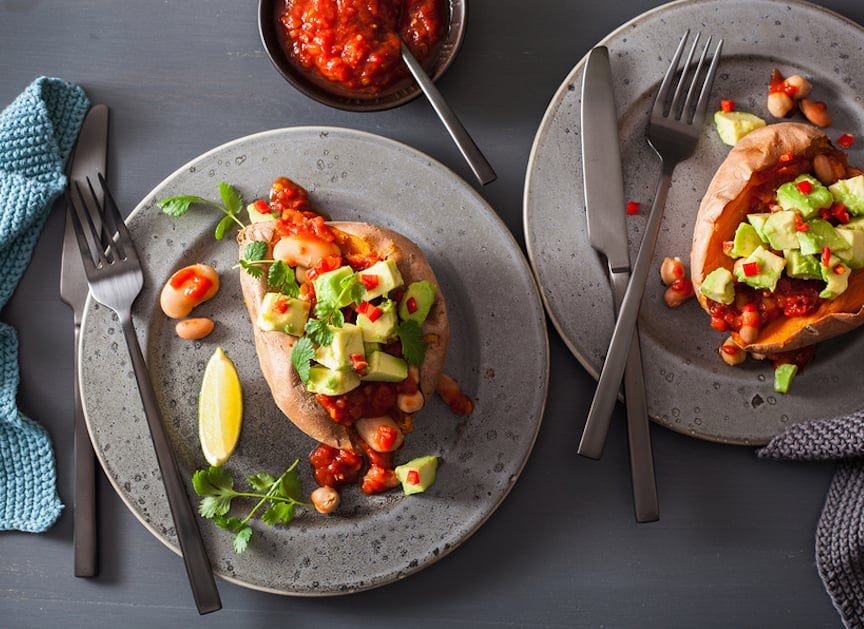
(702, 104)
(106, 229)
(663, 92)
(116, 217)
(675, 109)
(83, 245)
(685, 115)
(95, 245)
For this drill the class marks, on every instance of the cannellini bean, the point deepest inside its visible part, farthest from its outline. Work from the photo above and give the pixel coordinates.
(195, 328)
(410, 402)
(187, 288)
(802, 86)
(303, 250)
(381, 433)
(671, 269)
(731, 353)
(780, 104)
(827, 169)
(816, 112)
(325, 499)
(678, 292)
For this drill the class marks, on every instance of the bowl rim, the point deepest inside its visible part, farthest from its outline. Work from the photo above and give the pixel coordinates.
(389, 100)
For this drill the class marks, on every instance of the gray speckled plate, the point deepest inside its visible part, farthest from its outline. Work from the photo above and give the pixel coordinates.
(370, 541)
(689, 389)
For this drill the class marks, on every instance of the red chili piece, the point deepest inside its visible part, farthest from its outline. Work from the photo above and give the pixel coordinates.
(787, 157)
(411, 305)
(359, 364)
(727, 105)
(632, 207)
(805, 187)
(194, 286)
(826, 256)
(385, 437)
(730, 349)
(371, 312)
(800, 225)
(751, 268)
(413, 477)
(369, 281)
(846, 140)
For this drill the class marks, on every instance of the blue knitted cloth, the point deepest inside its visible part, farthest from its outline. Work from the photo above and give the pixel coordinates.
(37, 133)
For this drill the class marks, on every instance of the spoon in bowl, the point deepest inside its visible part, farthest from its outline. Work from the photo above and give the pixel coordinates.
(479, 165)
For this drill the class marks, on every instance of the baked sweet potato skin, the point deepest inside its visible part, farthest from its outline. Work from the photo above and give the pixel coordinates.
(751, 164)
(274, 348)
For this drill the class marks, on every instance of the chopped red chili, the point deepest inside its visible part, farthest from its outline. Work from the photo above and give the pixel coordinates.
(359, 364)
(413, 477)
(411, 305)
(800, 225)
(730, 349)
(826, 256)
(840, 212)
(369, 311)
(846, 140)
(632, 207)
(369, 281)
(261, 206)
(385, 437)
(193, 284)
(750, 269)
(727, 105)
(805, 187)
(839, 269)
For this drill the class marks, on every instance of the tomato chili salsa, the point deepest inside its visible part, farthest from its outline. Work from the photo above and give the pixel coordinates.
(353, 44)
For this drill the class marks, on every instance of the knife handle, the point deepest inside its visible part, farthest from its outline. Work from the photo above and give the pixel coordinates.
(84, 536)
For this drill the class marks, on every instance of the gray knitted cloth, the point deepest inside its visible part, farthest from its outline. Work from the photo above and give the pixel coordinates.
(840, 532)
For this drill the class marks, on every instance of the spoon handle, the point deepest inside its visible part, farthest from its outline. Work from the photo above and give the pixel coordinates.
(478, 163)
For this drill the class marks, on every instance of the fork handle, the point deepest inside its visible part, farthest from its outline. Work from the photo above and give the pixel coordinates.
(600, 413)
(191, 545)
(84, 537)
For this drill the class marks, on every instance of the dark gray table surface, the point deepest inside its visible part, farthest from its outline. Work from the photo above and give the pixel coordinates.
(734, 546)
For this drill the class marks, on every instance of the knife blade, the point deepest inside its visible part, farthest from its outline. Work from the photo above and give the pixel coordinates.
(607, 231)
(88, 159)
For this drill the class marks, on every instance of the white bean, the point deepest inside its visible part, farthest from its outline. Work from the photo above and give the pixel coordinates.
(182, 292)
(378, 433)
(671, 269)
(802, 86)
(731, 353)
(194, 329)
(816, 112)
(410, 402)
(780, 104)
(300, 250)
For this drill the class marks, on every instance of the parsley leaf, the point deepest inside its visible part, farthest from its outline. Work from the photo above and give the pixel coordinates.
(216, 486)
(301, 354)
(281, 276)
(413, 345)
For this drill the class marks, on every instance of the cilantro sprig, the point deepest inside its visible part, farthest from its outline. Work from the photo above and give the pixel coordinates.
(216, 487)
(413, 345)
(280, 276)
(302, 353)
(232, 204)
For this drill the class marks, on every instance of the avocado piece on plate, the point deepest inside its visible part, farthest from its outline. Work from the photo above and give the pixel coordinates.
(418, 474)
(783, 375)
(734, 125)
(719, 286)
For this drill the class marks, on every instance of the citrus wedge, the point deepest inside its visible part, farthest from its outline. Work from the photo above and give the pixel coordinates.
(220, 409)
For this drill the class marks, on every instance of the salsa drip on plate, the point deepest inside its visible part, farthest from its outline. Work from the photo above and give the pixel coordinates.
(355, 44)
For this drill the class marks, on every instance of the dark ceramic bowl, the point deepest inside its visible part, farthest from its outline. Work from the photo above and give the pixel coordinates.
(341, 98)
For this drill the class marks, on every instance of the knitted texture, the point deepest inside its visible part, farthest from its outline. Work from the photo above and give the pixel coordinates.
(840, 532)
(37, 133)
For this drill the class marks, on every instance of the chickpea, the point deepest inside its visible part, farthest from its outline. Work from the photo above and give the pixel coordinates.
(816, 112)
(801, 86)
(671, 269)
(827, 169)
(195, 328)
(410, 402)
(678, 292)
(380, 433)
(732, 354)
(187, 288)
(325, 499)
(303, 250)
(748, 333)
(780, 104)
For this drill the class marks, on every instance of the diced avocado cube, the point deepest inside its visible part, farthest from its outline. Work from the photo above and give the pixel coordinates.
(734, 125)
(383, 328)
(768, 267)
(719, 286)
(790, 196)
(836, 276)
(783, 376)
(850, 192)
(282, 313)
(417, 301)
(384, 367)
(418, 474)
(347, 340)
(745, 241)
(780, 230)
(372, 347)
(334, 287)
(805, 267)
(331, 381)
(853, 257)
(257, 217)
(388, 276)
(820, 234)
(856, 223)
(757, 220)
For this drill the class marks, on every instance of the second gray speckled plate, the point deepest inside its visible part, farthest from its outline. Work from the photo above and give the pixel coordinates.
(370, 541)
(689, 389)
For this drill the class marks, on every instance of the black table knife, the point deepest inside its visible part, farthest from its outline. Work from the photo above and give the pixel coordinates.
(607, 231)
(88, 159)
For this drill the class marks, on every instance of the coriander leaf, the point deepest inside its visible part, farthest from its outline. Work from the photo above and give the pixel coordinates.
(261, 481)
(301, 354)
(229, 524)
(241, 540)
(318, 331)
(337, 320)
(212, 481)
(279, 513)
(290, 486)
(413, 345)
(223, 226)
(351, 288)
(255, 251)
(211, 506)
(230, 198)
(252, 269)
(179, 205)
(281, 276)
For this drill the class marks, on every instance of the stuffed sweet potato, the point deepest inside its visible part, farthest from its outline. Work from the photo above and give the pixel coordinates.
(778, 244)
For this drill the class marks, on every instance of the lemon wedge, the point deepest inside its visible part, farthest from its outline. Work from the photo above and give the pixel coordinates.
(220, 409)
